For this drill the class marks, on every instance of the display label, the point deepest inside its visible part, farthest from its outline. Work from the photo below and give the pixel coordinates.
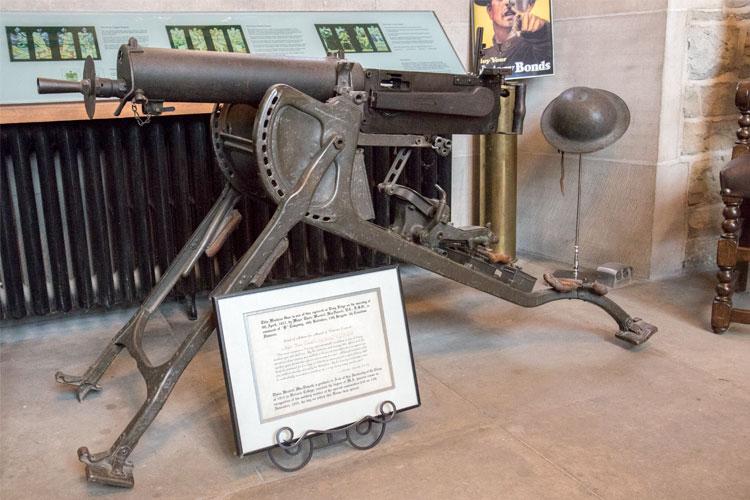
(315, 355)
(319, 352)
(52, 45)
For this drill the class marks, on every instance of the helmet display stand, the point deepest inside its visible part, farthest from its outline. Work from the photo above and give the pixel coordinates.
(583, 120)
(584, 275)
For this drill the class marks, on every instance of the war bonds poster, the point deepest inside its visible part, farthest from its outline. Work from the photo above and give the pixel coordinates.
(517, 35)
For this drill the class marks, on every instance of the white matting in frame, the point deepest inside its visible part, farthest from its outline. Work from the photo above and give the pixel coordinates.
(315, 355)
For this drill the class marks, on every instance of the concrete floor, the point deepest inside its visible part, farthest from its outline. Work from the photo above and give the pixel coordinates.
(516, 403)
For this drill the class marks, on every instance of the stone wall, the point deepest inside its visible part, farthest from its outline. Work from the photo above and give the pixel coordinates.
(650, 200)
(718, 54)
(617, 46)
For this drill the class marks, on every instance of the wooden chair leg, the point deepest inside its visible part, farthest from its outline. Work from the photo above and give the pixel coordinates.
(726, 259)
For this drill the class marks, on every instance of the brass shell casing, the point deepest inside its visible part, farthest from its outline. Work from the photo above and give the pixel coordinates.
(497, 186)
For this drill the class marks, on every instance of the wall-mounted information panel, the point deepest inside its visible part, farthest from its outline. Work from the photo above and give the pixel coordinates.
(54, 44)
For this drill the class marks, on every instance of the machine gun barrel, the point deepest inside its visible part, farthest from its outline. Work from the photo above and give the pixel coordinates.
(198, 76)
(393, 102)
(152, 74)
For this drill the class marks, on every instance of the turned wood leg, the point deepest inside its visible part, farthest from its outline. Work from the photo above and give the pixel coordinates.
(726, 259)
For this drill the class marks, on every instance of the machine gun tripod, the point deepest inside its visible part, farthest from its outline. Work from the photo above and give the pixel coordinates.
(304, 152)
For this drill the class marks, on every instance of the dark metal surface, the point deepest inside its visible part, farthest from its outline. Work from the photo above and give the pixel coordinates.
(308, 158)
(584, 120)
(406, 103)
(74, 214)
(159, 190)
(18, 142)
(45, 161)
(393, 102)
(96, 205)
(14, 307)
(293, 453)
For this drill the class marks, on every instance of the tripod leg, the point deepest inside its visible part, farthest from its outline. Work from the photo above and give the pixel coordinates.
(184, 261)
(112, 466)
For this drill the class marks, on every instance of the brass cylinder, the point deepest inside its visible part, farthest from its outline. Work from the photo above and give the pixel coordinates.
(498, 167)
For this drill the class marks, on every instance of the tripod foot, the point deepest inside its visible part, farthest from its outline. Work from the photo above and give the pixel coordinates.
(638, 332)
(83, 386)
(110, 468)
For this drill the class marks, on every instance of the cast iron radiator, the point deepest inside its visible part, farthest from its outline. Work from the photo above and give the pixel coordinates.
(91, 212)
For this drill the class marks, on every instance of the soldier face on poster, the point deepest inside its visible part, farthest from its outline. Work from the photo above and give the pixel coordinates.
(517, 35)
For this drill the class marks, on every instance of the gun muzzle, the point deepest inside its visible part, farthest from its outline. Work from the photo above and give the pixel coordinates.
(90, 86)
(50, 86)
(102, 87)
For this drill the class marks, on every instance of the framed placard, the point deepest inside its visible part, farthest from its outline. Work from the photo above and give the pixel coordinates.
(317, 355)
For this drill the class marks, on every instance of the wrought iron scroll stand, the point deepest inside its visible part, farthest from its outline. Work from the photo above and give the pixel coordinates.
(292, 454)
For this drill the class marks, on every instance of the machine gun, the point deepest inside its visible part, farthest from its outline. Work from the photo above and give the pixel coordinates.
(291, 130)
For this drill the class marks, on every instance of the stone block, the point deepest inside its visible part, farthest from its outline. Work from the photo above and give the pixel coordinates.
(703, 184)
(691, 103)
(669, 231)
(700, 136)
(463, 145)
(458, 34)
(447, 12)
(704, 220)
(616, 217)
(718, 99)
(571, 9)
(672, 90)
(738, 15)
(358, 5)
(695, 4)
(586, 58)
(461, 189)
(708, 15)
(700, 253)
(711, 50)
(257, 5)
(737, 8)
